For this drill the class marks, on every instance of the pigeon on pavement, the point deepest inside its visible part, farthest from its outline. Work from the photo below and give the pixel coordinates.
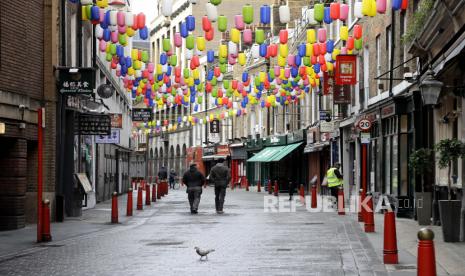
(203, 253)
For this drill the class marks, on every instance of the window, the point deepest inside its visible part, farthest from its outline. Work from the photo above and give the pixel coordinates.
(378, 63)
(388, 46)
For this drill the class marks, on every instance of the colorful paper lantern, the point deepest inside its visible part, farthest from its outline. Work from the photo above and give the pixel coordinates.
(259, 36)
(235, 35)
(247, 35)
(212, 12)
(344, 12)
(335, 10)
(167, 8)
(344, 33)
(265, 14)
(206, 24)
(358, 31)
(222, 23)
(283, 36)
(247, 14)
(284, 14)
(319, 12)
(381, 6)
(190, 21)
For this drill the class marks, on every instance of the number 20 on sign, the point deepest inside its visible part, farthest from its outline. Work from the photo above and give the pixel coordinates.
(364, 125)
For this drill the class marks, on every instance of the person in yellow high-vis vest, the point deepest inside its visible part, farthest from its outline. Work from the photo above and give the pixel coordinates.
(335, 180)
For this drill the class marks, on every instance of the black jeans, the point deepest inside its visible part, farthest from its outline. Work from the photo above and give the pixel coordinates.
(172, 184)
(220, 193)
(193, 194)
(334, 193)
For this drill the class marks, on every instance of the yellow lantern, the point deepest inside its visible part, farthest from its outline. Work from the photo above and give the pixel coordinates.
(241, 59)
(131, 71)
(130, 31)
(235, 35)
(311, 36)
(309, 49)
(344, 33)
(200, 43)
(134, 54)
(335, 53)
(281, 61)
(283, 50)
(159, 69)
(223, 51)
(262, 77)
(196, 74)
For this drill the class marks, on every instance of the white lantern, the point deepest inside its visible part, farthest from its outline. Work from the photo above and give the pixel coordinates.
(98, 31)
(164, 68)
(86, 2)
(199, 53)
(184, 119)
(212, 12)
(167, 8)
(284, 14)
(328, 57)
(358, 10)
(138, 73)
(129, 19)
(220, 78)
(189, 54)
(113, 17)
(232, 48)
(255, 50)
(311, 17)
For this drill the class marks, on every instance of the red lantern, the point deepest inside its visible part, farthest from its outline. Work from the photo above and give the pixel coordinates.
(208, 87)
(350, 43)
(141, 20)
(225, 100)
(316, 49)
(177, 72)
(234, 84)
(220, 93)
(358, 31)
(273, 49)
(217, 71)
(314, 60)
(210, 35)
(283, 35)
(334, 11)
(322, 47)
(404, 5)
(321, 59)
(206, 24)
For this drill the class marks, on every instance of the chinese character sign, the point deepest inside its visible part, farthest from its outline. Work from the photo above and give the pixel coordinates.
(346, 70)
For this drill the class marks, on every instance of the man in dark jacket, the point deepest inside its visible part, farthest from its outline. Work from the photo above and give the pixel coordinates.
(162, 173)
(220, 176)
(172, 178)
(194, 180)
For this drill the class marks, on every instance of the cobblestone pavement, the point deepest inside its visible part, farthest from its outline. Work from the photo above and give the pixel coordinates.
(248, 241)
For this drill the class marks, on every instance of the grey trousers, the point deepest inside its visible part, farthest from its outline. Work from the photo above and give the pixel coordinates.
(193, 193)
(220, 193)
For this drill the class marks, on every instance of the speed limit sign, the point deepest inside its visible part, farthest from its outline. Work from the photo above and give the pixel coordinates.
(364, 124)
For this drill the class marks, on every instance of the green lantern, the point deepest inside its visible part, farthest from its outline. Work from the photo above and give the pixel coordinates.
(247, 14)
(213, 81)
(223, 68)
(226, 84)
(358, 44)
(319, 12)
(173, 60)
(145, 56)
(108, 57)
(215, 2)
(122, 39)
(222, 60)
(259, 36)
(186, 73)
(307, 61)
(166, 44)
(190, 42)
(222, 23)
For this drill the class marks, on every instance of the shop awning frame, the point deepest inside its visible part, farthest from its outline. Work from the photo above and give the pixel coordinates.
(285, 152)
(266, 154)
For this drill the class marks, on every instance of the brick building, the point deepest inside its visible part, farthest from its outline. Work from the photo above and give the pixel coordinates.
(27, 54)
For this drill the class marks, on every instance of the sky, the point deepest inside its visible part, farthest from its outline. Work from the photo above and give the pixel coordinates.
(148, 7)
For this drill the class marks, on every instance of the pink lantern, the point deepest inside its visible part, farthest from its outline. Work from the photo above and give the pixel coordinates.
(344, 13)
(102, 15)
(381, 6)
(231, 60)
(177, 40)
(321, 35)
(287, 72)
(122, 29)
(248, 36)
(277, 71)
(239, 22)
(150, 67)
(343, 50)
(114, 37)
(102, 45)
(120, 18)
(291, 60)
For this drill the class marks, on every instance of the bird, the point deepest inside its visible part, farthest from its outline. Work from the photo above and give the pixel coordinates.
(203, 253)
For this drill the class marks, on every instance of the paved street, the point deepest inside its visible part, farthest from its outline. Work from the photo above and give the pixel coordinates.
(248, 241)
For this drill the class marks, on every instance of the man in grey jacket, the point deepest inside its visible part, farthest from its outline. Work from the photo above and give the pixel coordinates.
(194, 180)
(220, 175)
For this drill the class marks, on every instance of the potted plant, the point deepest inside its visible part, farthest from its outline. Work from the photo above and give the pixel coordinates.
(421, 161)
(449, 150)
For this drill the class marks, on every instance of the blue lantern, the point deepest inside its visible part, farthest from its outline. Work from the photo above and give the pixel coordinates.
(263, 49)
(163, 59)
(265, 14)
(184, 31)
(144, 33)
(210, 56)
(245, 76)
(190, 21)
(302, 50)
(396, 4)
(329, 46)
(327, 17)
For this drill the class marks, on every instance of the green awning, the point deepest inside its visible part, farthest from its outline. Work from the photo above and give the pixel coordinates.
(266, 154)
(284, 152)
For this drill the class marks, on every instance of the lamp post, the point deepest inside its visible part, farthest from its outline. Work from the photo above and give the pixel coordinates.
(430, 89)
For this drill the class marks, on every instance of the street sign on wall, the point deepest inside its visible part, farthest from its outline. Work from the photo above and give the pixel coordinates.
(215, 126)
(113, 138)
(76, 80)
(142, 114)
(341, 94)
(116, 120)
(325, 115)
(93, 124)
(346, 69)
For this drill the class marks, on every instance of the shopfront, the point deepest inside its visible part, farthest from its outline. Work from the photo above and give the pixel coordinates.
(211, 155)
(318, 154)
(238, 162)
(252, 147)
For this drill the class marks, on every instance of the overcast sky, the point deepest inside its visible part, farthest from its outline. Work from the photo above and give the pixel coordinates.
(146, 6)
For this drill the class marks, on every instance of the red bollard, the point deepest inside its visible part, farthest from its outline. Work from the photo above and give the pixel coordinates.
(276, 188)
(114, 208)
(390, 239)
(139, 199)
(259, 189)
(269, 187)
(158, 190)
(147, 194)
(369, 217)
(314, 197)
(426, 264)
(154, 192)
(246, 185)
(361, 197)
(166, 188)
(340, 203)
(129, 203)
(46, 236)
(302, 194)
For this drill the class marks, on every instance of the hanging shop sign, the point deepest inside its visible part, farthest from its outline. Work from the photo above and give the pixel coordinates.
(215, 126)
(328, 83)
(326, 127)
(207, 151)
(325, 115)
(116, 120)
(94, 124)
(388, 111)
(341, 94)
(275, 140)
(142, 114)
(113, 138)
(76, 80)
(346, 70)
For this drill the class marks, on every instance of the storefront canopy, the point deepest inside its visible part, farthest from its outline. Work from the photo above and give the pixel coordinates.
(273, 154)
(284, 152)
(266, 154)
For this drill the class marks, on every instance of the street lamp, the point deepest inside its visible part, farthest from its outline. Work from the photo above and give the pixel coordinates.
(430, 89)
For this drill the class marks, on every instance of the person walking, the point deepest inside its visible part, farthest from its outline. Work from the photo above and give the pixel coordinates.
(194, 180)
(335, 180)
(291, 188)
(172, 178)
(220, 176)
(162, 174)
